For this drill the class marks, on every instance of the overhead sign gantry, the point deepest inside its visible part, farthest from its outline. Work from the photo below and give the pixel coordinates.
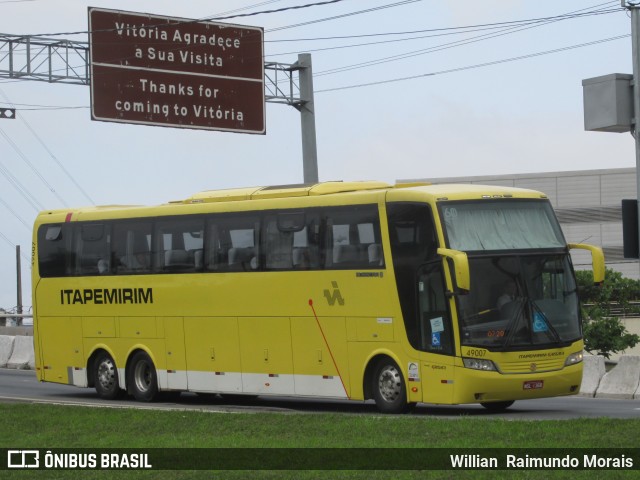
(55, 60)
(157, 70)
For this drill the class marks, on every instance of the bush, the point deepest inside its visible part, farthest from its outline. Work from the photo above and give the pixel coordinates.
(605, 334)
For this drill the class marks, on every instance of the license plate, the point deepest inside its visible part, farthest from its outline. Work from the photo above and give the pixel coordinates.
(533, 385)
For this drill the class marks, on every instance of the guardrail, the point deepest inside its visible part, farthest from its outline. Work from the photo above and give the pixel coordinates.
(13, 316)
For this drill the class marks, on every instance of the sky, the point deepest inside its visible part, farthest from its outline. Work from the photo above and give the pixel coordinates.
(472, 93)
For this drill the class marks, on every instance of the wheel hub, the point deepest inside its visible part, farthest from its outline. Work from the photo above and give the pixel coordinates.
(389, 383)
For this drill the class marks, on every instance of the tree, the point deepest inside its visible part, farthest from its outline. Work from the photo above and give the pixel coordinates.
(604, 333)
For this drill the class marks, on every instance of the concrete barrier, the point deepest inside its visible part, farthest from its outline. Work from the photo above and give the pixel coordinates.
(22, 356)
(6, 349)
(623, 380)
(594, 370)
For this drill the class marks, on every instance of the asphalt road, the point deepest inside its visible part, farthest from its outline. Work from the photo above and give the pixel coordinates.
(22, 386)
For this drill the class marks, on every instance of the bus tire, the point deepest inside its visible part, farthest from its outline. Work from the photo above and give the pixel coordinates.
(105, 377)
(142, 379)
(497, 406)
(388, 387)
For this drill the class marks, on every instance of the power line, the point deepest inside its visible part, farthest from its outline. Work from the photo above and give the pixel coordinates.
(15, 214)
(279, 10)
(414, 53)
(479, 65)
(186, 22)
(411, 32)
(18, 186)
(344, 15)
(13, 246)
(479, 28)
(58, 162)
(32, 166)
(53, 157)
(248, 7)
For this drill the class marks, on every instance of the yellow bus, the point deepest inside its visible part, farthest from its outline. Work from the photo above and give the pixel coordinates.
(444, 294)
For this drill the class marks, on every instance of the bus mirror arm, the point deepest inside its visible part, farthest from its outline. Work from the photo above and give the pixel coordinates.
(461, 280)
(597, 260)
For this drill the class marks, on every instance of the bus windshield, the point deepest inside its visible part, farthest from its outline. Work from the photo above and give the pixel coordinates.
(520, 301)
(501, 224)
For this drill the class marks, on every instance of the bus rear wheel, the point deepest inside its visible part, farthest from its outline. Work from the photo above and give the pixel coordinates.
(497, 406)
(105, 377)
(389, 390)
(142, 379)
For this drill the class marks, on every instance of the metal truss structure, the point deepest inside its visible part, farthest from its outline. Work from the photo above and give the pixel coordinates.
(67, 61)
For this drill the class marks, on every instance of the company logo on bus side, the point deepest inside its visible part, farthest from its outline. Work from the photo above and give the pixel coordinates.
(334, 296)
(106, 296)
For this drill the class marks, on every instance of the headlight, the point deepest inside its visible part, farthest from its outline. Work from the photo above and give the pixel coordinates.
(477, 364)
(573, 359)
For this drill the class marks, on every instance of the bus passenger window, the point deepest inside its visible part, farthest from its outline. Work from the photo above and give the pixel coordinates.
(232, 243)
(179, 245)
(278, 246)
(54, 242)
(353, 238)
(292, 241)
(92, 243)
(131, 253)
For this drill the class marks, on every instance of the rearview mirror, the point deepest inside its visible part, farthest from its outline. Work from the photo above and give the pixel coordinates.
(462, 280)
(597, 260)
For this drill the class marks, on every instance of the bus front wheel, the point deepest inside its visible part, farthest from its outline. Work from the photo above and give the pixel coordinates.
(105, 377)
(389, 390)
(142, 379)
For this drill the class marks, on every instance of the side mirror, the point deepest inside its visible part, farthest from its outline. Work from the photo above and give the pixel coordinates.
(597, 260)
(462, 280)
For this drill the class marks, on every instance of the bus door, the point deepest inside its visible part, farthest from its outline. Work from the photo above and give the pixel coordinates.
(435, 335)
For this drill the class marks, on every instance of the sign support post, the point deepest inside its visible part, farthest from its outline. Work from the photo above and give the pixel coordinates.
(307, 119)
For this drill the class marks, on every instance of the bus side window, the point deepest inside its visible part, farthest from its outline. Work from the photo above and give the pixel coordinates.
(54, 245)
(180, 243)
(306, 245)
(131, 251)
(233, 244)
(353, 238)
(278, 245)
(92, 244)
(292, 240)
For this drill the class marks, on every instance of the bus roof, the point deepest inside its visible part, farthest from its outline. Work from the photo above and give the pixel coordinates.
(393, 193)
(280, 191)
(450, 191)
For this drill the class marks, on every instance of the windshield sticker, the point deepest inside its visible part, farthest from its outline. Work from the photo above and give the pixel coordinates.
(435, 339)
(437, 324)
(539, 323)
